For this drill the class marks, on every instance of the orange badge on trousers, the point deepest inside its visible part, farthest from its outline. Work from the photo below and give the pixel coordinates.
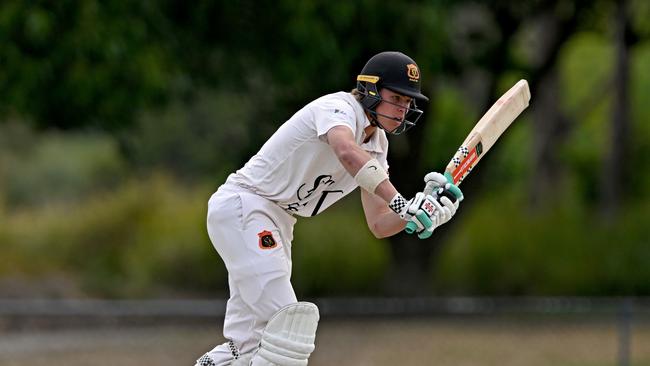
(266, 240)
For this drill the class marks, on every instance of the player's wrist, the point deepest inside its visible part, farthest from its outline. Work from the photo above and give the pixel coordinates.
(371, 175)
(399, 204)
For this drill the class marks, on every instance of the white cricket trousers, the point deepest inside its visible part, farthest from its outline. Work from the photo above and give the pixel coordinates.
(253, 237)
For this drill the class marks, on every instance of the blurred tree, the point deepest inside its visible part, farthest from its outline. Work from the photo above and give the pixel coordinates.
(553, 24)
(178, 82)
(616, 163)
(199, 139)
(70, 64)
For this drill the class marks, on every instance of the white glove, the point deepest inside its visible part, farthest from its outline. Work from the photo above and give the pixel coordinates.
(444, 210)
(407, 209)
(445, 201)
(445, 207)
(422, 212)
(442, 200)
(434, 181)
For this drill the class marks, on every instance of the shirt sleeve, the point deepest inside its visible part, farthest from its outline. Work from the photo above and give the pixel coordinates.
(382, 157)
(334, 113)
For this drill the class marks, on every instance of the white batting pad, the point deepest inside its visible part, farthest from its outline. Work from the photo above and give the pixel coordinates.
(288, 339)
(243, 360)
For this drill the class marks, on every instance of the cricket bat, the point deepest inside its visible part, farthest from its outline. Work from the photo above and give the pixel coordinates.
(482, 137)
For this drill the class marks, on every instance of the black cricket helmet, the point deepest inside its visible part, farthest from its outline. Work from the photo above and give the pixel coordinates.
(397, 72)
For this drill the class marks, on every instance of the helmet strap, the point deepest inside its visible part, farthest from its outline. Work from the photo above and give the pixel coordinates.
(370, 100)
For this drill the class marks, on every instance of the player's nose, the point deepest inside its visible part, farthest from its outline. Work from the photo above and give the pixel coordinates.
(402, 113)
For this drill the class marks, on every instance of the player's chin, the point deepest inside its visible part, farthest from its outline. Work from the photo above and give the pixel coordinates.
(394, 126)
(391, 124)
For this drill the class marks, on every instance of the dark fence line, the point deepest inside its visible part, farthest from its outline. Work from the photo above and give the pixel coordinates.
(111, 308)
(333, 306)
(624, 312)
(481, 305)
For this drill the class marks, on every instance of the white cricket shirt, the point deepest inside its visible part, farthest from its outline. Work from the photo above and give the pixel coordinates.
(297, 169)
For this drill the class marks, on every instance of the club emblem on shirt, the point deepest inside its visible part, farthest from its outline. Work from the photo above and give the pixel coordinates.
(266, 240)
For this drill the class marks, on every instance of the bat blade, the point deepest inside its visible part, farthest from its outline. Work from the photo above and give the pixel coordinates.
(481, 138)
(488, 129)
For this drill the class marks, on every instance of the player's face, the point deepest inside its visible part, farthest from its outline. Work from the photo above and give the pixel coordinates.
(392, 109)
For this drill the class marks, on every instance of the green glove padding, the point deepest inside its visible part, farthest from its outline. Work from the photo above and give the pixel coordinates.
(454, 188)
(426, 221)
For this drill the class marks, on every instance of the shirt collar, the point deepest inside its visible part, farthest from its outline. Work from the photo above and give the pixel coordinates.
(375, 142)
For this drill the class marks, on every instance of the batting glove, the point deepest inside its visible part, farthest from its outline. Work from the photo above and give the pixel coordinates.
(428, 221)
(434, 181)
(420, 210)
(445, 199)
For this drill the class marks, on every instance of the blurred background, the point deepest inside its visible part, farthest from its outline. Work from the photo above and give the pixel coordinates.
(119, 119)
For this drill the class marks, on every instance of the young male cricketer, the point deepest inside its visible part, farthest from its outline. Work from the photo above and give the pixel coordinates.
(323, 152)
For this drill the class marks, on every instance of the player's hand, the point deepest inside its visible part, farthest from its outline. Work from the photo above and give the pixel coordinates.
(446, 204)
(407, 209)
(444, 209)
(434, 181)
(420, 211)
(446, 198)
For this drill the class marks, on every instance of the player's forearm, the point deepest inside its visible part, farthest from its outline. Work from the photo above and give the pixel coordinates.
(352, 157)
(386, 190)
(386, 224)
(382, 221)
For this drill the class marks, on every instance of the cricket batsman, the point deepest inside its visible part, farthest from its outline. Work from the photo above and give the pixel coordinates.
(326, 150)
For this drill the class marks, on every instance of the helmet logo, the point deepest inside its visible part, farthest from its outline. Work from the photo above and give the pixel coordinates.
(413, 72)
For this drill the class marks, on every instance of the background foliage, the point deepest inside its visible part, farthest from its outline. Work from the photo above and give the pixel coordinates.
(119, 119)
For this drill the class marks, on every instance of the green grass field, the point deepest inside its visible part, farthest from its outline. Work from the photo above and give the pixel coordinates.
(359, 342)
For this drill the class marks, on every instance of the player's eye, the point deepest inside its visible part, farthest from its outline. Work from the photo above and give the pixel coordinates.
(397, 99)
(400, 100)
